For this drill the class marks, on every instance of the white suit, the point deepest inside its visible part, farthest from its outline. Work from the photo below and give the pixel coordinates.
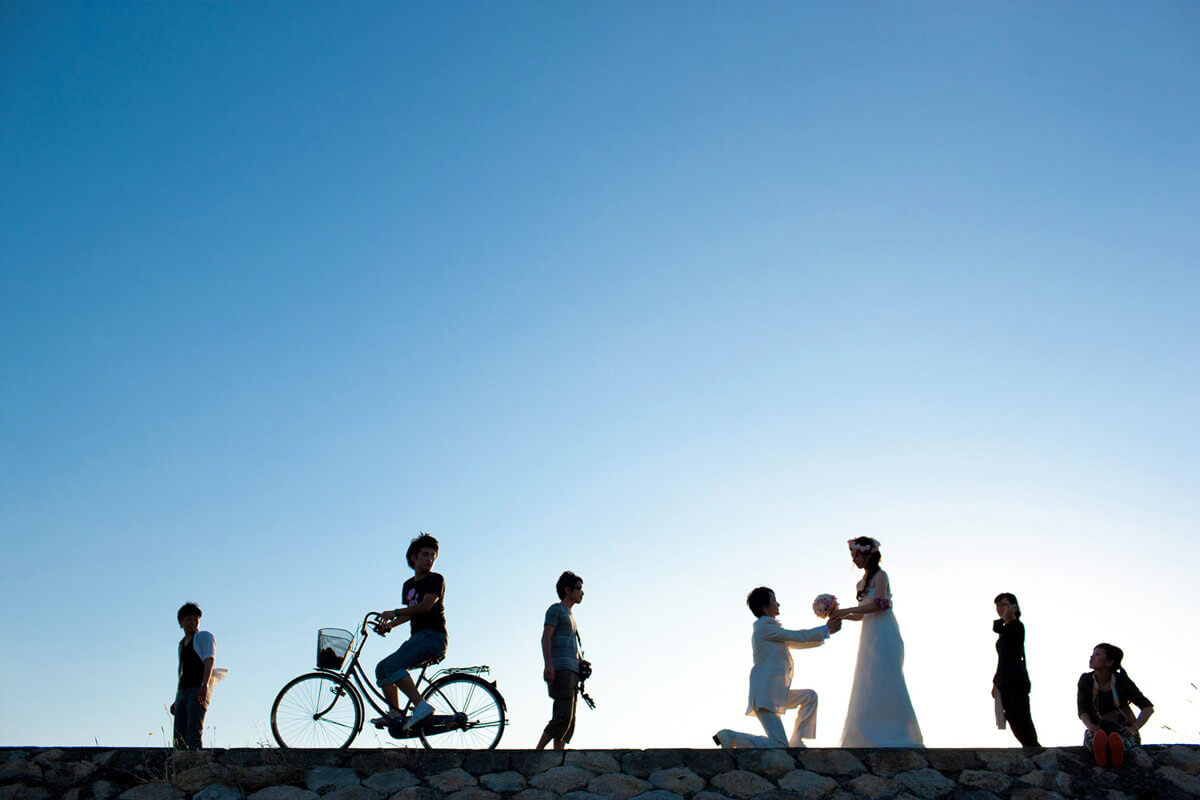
(770, 687)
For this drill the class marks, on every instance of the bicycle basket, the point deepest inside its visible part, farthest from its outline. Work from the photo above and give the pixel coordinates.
(332, 646)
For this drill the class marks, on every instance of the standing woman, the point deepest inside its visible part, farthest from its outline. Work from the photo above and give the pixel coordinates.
(1011, 681)
(1103, 701)
(880, 712)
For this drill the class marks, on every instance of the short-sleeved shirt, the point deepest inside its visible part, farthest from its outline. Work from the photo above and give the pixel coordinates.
(564, 642)
(414, 592)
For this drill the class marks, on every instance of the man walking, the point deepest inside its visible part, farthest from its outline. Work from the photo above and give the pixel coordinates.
(560, 654)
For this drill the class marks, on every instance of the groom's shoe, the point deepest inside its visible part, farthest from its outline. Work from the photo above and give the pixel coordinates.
(724, 738)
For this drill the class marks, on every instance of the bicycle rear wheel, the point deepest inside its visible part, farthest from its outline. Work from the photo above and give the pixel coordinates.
(319, 709)
(478, 706)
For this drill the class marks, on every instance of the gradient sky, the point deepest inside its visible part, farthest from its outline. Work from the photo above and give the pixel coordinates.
(679, 296)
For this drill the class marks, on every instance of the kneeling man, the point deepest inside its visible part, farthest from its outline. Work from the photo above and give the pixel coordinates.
(771, 692)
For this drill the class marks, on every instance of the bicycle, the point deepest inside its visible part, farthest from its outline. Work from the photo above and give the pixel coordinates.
(325, 708)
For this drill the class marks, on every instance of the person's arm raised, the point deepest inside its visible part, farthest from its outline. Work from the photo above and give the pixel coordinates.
(813, 637)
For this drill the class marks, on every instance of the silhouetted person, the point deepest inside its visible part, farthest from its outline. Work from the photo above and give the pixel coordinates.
(424, 609)
(1103, 701)
(197, 654)
(561, 656)
(1011, 681)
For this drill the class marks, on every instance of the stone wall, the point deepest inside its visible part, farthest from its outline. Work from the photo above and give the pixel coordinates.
(1150, 773)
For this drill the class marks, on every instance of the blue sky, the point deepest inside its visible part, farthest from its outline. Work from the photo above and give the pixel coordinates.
(677, 296)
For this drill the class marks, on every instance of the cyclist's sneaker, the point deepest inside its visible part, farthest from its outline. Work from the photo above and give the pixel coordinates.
(386, 720)
(420, 713)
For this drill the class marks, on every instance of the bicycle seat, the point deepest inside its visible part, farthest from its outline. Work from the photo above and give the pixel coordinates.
(429, 662)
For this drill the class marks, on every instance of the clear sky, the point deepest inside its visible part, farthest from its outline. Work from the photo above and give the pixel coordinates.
(679, 296)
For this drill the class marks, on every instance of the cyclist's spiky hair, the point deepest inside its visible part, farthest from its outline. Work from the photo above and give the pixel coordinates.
(417, 545)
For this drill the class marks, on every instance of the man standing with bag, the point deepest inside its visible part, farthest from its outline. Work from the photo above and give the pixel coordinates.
(560, 653)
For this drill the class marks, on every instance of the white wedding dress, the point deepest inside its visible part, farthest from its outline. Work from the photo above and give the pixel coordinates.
(880, 713)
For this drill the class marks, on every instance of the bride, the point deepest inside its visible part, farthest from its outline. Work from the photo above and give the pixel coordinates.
(880, 713)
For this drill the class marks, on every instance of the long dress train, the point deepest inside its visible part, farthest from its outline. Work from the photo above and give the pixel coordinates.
(880, 712)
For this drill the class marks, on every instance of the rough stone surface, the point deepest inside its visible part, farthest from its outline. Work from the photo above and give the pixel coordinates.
(831, 762)
(103, 790)
(709, 796)
(807, 785)
(151, 791)
(925, 782)
(561, 780)
(974, 794)
(1180, 779)
(741, 784)
(617, 786)
(325, 779)
(953, 760)
(196, 778)
(1051, 781)
(255, 778)
(594, 760)
(510, 781)
(534, 794)
(772, 764)
(983, 779)
(872, 787)
(680, 780)
(20, 770)
(706, 763)
(1033, 793)
(218, 791)
(1056, 758)
(481, 762)
(473, 793)
(1186, 759)
(452, 780)
(19, 791)
(532, 763)
(659, 794)
(355, 791)
(283, 793)
(391, 781)
(887, 763)
(640, 763)
(1010, 762)
(580, 794)
(417, 793)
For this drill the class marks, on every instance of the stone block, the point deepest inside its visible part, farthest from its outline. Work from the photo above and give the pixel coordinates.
(325, 779)
(68, 773)
(617, 786)
(1053, 781)
(1139, 758)
(19, 791)
(283, 793)
(452, 780)
(473, 793)
(771, 763)
(887, 763)
(561, 780)
(417, 793)
(973, 794)
(831, 762)
(355, 791)
(1176, 777)
(103, 790)
(391, 781)
(741, 784)
(659, 794)
(953, 760)
(1057, 758)
(596, 761)
(925, 782)
(996, 782)
(581, 794)
(1181, 757)
(707, 795)
(1034, 793)
(706, 763)
(218, 791)
(535, 794)
(807, 785)
(255, 778)
(679, 780)
(481, 762)
(20, 770)
(48, 757)
(640, 763)
(533, 762)
(510, 781)
(1010, 762)
(872, 787)
(151, 791)
(195, 778)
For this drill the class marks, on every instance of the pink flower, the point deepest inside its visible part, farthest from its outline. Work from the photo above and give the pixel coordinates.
(824, 605)
(883, 603)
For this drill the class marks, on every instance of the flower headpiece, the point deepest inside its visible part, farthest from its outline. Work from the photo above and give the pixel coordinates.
(867, 549)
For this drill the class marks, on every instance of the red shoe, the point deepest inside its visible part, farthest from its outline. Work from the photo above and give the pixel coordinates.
(1116, 748)
(1100, 748)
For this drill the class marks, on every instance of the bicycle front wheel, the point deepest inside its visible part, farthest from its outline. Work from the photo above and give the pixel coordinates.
(477, 706)
(319, 709)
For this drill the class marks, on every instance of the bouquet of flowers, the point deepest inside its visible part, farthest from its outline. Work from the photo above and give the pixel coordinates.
(825, 605)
